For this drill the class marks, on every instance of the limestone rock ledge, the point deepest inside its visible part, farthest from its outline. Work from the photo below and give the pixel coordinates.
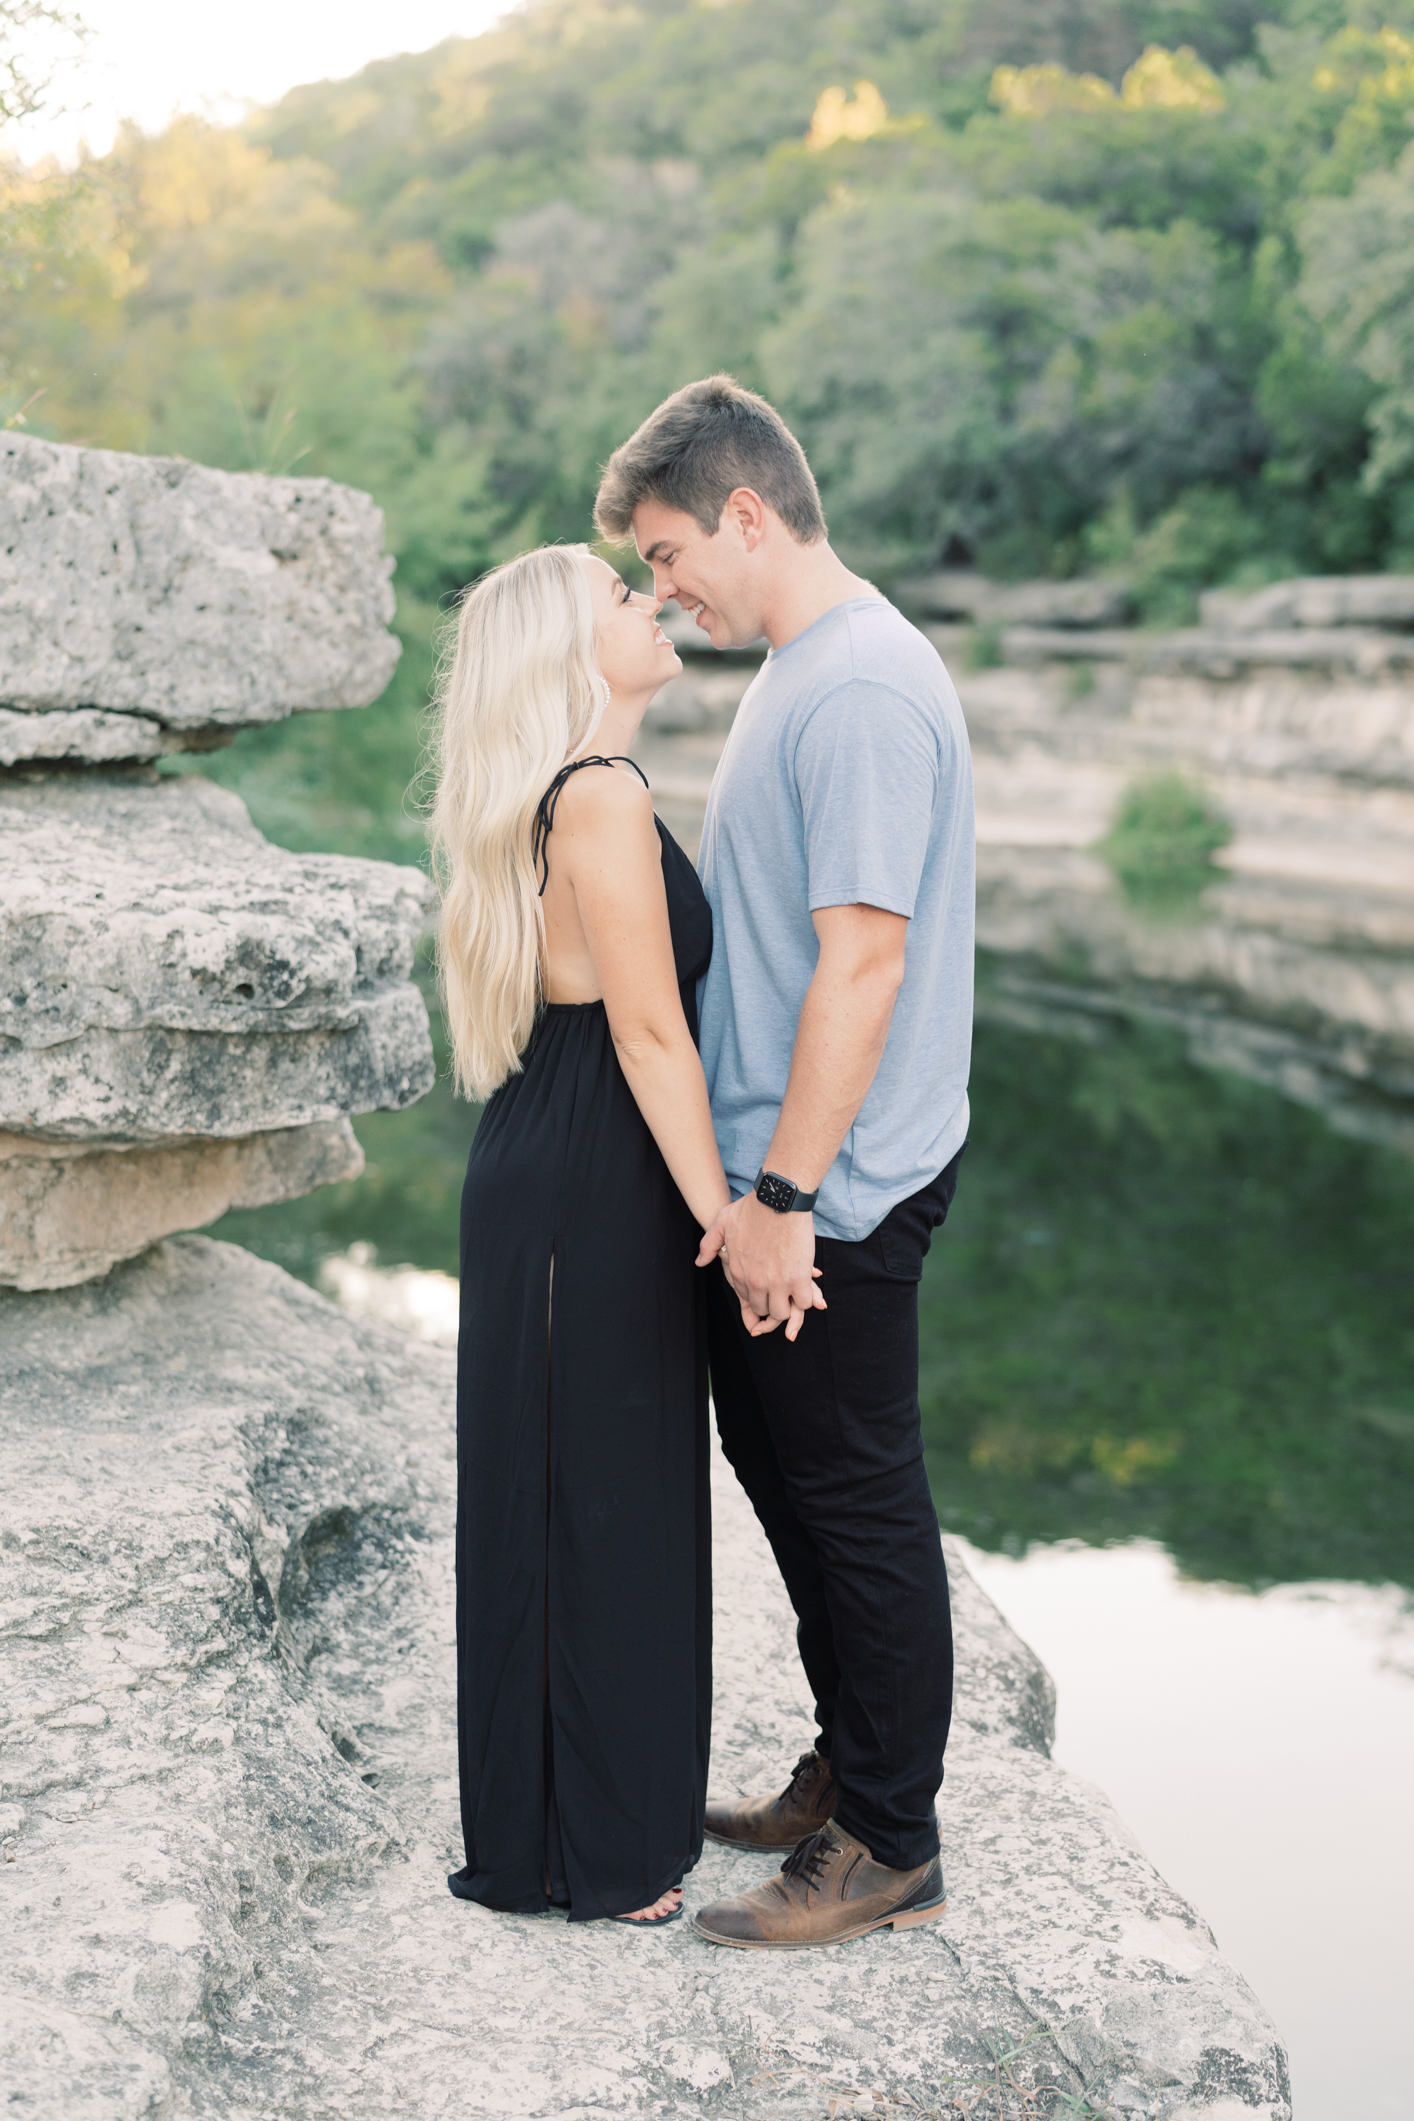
(71, 1211)
(169, 973)
(230, 1786)
(86, 736)
(192, 597)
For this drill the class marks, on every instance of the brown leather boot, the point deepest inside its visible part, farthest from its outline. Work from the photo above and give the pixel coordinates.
(804, 1805)
(828, 1888)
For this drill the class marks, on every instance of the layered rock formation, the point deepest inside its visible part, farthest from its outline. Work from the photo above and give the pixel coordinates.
(148, 604)
(230, 1791)
(189, 1015)
(1293, 709)
(959, 593)
(1297, 966)
(70, 1209)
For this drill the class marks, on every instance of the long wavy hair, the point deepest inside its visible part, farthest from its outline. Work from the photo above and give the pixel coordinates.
(520, 694)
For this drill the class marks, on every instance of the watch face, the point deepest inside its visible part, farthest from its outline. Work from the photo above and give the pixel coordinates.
(777, 1193)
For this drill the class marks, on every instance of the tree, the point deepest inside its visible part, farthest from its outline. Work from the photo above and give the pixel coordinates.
(1358, 281)
(1043, 283)
(36, 211)
(36, 39)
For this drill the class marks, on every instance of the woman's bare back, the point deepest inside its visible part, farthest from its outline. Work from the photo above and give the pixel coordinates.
(570, 974)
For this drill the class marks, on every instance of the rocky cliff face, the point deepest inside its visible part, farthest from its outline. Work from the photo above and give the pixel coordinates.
(1297, 966)
(189, 1014)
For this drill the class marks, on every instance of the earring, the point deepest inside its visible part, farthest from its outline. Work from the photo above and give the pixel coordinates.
(607, 694)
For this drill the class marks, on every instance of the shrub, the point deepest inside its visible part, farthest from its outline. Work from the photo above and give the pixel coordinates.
(1162, 842)
(983, 650)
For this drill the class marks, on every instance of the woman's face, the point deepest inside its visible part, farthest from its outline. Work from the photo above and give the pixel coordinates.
(635, 654)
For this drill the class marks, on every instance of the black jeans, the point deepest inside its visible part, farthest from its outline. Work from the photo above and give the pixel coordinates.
(825, 1436)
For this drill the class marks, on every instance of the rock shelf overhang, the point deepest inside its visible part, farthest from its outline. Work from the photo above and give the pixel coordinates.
(191, 599)
(230, 1794)
(189, 1015)
(142, 903)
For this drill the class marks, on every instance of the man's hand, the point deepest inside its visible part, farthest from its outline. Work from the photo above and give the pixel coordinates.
(769, 1260)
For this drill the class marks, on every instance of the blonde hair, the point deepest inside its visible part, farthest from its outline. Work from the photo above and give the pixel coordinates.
(520, 695)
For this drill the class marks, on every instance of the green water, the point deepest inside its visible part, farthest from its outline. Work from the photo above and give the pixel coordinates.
(1166, 1303)
(1171, 1303)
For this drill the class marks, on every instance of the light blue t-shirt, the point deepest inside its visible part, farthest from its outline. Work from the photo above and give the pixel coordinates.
(846, 780)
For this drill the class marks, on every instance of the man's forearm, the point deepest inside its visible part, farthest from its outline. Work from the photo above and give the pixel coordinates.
(839, 1042)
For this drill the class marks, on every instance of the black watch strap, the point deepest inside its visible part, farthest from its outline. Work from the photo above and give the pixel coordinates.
(783, 1194)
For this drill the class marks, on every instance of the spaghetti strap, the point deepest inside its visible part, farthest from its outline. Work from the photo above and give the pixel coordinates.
(549, 801)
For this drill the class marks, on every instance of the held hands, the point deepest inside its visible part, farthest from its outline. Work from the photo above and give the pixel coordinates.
(769, 1260)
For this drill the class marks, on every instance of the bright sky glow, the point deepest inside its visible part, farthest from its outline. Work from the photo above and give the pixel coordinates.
(147, 59)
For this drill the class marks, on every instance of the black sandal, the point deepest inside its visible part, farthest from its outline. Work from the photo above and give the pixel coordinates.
(652, 1922)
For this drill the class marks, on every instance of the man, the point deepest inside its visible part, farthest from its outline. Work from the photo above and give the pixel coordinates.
(837, 855)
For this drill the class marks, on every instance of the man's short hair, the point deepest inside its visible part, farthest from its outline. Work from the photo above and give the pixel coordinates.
(701, 444)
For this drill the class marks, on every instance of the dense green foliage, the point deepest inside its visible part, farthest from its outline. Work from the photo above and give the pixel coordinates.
(1127, 284)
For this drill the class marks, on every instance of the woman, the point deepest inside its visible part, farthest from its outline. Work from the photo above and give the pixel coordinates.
(574, 931)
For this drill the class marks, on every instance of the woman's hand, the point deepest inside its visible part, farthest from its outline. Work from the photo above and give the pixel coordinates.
(714, 1246)
(755, 1247)
(756, 1325)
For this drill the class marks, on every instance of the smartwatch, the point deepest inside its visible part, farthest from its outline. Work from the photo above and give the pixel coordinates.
(779, 1193)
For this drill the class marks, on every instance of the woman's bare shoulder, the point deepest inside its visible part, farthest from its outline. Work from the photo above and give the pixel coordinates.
(599, 799)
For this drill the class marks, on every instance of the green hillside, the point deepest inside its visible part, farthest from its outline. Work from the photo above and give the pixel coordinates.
(1141, 298)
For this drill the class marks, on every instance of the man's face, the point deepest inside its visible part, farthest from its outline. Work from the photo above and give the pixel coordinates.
(711, 577)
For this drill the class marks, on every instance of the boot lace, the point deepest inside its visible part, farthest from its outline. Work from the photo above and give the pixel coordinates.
(803, 1771)
(808, 1859)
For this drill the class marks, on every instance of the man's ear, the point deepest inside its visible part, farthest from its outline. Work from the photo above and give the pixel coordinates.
(746, 511)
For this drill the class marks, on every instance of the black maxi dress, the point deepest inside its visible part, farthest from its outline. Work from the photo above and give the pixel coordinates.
(583, 1526)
